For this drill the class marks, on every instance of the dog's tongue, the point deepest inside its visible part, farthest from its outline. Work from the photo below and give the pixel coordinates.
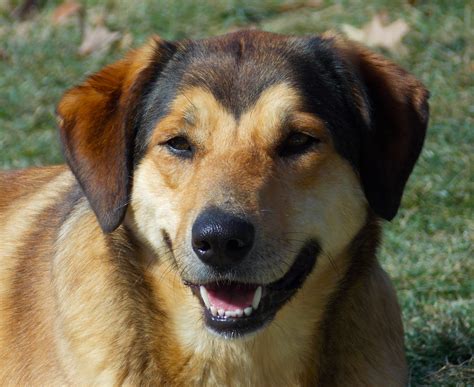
(231, 297)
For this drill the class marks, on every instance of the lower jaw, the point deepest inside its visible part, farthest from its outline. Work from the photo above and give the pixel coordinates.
(276, 295)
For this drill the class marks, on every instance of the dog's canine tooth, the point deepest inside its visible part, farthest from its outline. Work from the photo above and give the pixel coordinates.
(257, 297)
(213, 310)
(248, 311)
(204, 296)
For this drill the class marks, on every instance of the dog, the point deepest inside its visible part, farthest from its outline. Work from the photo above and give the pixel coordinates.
(218, 220)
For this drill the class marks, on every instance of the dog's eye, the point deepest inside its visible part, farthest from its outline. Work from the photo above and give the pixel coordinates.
(296, 143)
(180, 146)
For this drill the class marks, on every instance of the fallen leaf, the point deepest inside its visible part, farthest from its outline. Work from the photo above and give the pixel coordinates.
(126, 41)
(65, 11)
(26, 9)
(4, 57)
(97, 40)
(376, 34)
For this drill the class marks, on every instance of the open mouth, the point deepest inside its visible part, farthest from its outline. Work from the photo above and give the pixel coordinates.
(234, 309)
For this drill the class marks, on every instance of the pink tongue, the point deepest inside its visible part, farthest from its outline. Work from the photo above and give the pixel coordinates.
(231, 297)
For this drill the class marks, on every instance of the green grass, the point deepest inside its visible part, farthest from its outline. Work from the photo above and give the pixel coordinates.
(428, 247)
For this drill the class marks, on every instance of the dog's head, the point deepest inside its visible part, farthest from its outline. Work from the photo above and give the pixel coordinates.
(245, 156)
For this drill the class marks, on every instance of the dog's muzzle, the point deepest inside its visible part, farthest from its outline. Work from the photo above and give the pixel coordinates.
(236, 308)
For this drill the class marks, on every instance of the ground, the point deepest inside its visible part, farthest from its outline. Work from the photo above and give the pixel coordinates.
(428, 247)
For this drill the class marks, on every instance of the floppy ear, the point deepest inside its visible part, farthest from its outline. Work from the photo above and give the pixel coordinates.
(97, 128)
(398, 112)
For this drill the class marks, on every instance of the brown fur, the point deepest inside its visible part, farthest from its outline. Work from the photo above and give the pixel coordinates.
(83, 307)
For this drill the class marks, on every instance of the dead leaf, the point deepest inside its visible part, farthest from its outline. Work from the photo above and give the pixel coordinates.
(65, 11)
(26, 9)
(376, 34)
(4, 56)
(97, 40)
(126, 41)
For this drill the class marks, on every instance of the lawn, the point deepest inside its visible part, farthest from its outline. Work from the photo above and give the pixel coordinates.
(428, 247)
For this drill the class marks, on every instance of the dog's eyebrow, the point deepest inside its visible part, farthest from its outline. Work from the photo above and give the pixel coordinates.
(294, 121)
(305, 120)
(189, 117)
(189, 114)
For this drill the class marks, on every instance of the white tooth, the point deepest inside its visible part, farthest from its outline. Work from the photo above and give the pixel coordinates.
(213, 310)
(239, 312)
(204, 296)
(257, 297)
(248, 311)
(221, 312)
(230, 313)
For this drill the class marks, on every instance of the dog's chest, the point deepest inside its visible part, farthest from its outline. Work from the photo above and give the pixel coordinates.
(270, 358)
(245, 366)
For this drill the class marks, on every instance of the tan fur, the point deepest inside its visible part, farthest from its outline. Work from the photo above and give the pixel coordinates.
(93, 324)
(82, 307)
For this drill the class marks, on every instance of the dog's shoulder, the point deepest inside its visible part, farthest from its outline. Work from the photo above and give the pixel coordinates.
(363, 338)
(32, 205)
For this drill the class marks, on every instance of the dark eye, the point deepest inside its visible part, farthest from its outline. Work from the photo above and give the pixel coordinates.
(296, 143)
(180, 146)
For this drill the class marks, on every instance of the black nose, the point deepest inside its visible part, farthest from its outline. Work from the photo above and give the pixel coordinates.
(220, 239)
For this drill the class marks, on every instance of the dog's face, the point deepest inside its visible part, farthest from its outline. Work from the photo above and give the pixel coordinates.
(245, 202)
(252, 155)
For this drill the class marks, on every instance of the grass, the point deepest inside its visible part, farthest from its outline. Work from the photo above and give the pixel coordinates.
(428, 247)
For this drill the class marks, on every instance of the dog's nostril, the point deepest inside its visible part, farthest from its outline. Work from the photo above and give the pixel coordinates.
(234, 245)
(202, 246)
